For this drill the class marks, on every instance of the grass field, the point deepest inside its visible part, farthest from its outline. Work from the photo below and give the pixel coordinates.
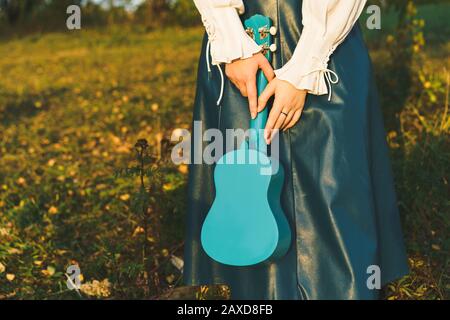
(72, 107)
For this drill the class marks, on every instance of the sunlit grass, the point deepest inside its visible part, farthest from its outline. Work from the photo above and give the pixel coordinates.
(73, 104)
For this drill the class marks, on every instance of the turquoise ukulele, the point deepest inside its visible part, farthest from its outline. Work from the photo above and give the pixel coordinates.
(246, 224)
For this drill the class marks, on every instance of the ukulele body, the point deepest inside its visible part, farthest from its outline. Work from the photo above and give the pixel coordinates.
(246, 224)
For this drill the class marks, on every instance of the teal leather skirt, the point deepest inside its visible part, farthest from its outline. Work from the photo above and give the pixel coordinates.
(338, 193)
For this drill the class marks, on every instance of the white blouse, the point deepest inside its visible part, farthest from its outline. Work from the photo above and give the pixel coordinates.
(326, 23)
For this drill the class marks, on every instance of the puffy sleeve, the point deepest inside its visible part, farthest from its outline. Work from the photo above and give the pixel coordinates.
(326, 23)
(226, 35)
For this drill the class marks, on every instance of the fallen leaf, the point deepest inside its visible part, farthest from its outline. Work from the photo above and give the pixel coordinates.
(170, 278)
(14, 251)
(177, 262)
(137, 231)
(51, 270)
(53, 210)
(183, 169)
(168, 187)
(125, 197)
(435, 247)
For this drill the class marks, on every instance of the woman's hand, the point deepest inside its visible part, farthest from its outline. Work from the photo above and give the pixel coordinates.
(287, 106)
(242, 74)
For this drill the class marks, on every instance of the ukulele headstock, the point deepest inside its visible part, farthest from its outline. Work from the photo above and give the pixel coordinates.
(261, 30)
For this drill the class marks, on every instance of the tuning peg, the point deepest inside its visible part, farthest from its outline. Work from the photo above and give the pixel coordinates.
(273, 47)
(250, 32)
(273, 30)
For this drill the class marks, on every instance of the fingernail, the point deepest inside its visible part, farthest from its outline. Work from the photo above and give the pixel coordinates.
(253, 115)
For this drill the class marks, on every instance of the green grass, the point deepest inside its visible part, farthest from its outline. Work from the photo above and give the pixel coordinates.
(72, 106)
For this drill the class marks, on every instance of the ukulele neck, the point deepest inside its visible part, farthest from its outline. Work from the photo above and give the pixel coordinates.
(258, 124)
(261, 30)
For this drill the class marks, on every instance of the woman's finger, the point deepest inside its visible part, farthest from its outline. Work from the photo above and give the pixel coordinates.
(272, 119)
(242, 88)
(238, 84)
(235, 83)
(281, 118)
(265, 96)
(266, 68)
(288, 119)
(252, 97)
(294, 119)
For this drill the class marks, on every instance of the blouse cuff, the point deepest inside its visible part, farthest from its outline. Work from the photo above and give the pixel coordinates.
(226, 35)
(308, 67)
(326, 25)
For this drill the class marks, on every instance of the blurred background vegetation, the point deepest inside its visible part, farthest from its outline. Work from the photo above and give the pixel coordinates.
(25, 16)
(78, 187)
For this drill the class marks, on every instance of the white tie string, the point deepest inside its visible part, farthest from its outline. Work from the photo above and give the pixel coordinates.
(330, 76)
(208, 45)
(222, 84)
(330, 81)
(208, 66)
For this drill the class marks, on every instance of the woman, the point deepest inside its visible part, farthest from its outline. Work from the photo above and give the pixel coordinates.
(338, 192)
